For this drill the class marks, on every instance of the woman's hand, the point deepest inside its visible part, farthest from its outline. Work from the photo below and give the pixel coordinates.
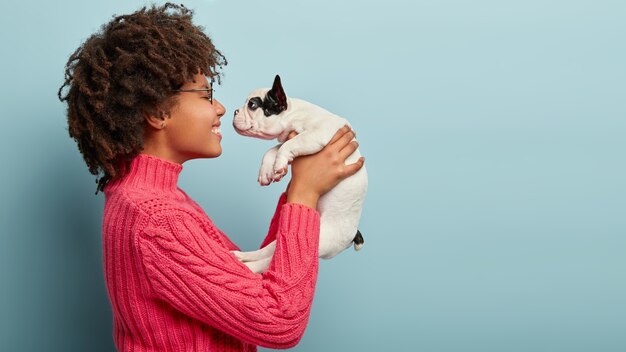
(314, 175)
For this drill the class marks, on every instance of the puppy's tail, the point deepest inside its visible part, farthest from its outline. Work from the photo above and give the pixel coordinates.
(358, 241)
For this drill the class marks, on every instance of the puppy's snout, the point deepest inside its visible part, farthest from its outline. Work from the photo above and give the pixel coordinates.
(236, 112)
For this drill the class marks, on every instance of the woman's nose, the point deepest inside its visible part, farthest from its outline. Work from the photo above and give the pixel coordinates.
(219, 108)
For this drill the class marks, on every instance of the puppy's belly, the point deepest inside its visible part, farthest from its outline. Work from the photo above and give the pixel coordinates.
(340, 212)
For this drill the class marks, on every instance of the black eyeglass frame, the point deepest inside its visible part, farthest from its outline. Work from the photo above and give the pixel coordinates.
(210, 90)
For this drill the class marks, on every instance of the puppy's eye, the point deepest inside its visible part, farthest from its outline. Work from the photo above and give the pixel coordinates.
(252, 105)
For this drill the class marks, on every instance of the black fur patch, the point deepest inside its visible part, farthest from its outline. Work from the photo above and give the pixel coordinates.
(275, 100)
(358, 238)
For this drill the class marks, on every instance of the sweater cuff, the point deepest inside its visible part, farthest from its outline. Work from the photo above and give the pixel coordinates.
(299, 231)
(299, 218)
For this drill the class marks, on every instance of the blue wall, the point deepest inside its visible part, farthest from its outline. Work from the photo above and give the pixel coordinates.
(494, 133)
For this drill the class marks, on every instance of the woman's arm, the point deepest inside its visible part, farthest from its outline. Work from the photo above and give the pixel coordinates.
(271, 233)
(187, 266)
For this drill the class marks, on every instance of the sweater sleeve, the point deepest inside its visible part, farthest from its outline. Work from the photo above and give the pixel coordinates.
(187, 266)
(271, 233)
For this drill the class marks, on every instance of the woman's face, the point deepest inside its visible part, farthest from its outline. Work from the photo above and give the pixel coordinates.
(193, 127)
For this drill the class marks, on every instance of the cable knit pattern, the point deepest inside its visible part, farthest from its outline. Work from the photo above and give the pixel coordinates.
(174, 284)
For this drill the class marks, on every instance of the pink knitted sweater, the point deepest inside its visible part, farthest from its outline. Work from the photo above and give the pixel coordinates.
(173, 283)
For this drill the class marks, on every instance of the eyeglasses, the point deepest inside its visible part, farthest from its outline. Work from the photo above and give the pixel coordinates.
(209, 90)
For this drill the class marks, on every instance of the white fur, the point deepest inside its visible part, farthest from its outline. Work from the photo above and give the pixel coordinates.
(340, 208)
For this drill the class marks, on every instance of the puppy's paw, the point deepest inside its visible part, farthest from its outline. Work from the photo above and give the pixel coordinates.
(280, 169)
(264, 180)
(239, 255)
(266, 175)
(278, 175)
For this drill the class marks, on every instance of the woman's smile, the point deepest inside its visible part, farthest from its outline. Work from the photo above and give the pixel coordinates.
(216, 130)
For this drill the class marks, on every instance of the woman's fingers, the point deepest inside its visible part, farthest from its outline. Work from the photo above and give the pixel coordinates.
(340, 132)
(317, 173)
(346, 151)
(343, 140)
(352, 169)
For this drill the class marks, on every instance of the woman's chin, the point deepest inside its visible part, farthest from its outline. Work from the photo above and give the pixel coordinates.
(214, 152)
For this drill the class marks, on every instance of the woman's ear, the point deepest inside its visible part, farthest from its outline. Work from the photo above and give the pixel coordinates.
(156, 122)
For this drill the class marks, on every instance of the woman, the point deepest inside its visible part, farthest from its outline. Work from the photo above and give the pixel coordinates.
(140, 104)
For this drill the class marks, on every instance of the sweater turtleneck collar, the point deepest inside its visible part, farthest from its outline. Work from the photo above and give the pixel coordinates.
(150, 172)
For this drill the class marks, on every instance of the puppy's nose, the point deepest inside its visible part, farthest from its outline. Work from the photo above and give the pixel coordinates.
(236, 112)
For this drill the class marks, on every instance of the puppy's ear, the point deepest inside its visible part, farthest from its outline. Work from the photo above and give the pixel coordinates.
(277, 93)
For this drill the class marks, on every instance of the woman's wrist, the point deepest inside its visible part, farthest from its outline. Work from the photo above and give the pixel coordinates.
(294, 195)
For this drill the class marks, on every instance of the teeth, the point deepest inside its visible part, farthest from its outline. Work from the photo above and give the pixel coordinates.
(216, 130)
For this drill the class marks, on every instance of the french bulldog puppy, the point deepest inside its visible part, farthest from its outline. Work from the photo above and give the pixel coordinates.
(268, 114)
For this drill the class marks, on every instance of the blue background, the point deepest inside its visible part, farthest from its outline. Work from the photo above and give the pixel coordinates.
(494, 134)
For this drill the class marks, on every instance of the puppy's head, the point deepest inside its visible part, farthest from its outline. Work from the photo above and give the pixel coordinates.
(262, 114)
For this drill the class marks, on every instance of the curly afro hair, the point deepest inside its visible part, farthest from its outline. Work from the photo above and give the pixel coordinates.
(131, 66)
